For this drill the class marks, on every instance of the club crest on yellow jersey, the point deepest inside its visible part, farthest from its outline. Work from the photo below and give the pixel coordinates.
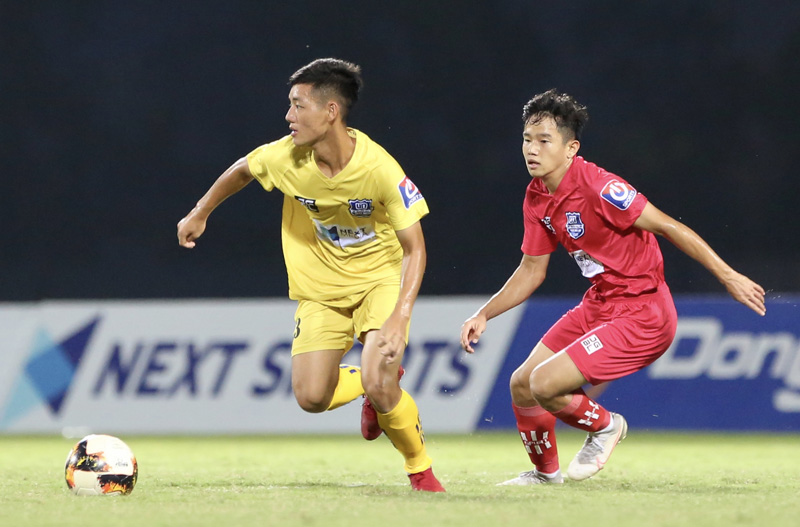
(361, 208)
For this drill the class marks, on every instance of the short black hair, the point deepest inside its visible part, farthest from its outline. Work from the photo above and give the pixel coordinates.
(333, 77)
(568, 114)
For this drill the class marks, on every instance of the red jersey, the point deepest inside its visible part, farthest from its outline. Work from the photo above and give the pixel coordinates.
(592, 214)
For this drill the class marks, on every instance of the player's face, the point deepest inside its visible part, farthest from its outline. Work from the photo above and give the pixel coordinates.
(545, 151)
(308, 118)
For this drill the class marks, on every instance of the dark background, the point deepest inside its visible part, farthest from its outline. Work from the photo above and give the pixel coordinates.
(117, 116)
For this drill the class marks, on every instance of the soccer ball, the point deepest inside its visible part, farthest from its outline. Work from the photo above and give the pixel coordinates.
(101, 465)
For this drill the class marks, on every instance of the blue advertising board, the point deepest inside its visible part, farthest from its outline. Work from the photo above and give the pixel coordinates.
(727, 369)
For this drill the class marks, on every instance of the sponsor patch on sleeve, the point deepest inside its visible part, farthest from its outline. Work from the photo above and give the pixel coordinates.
(409, 192)
(618, 193)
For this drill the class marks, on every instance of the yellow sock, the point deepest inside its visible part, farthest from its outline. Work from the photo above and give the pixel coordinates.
(402, 427)
(349, 386)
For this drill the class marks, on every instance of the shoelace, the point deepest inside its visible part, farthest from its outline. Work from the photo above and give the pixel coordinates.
(591, 447)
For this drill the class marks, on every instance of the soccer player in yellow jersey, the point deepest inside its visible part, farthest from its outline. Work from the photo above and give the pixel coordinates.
(354, 253)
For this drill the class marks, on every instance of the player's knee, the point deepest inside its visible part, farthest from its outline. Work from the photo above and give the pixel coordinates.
(370, 381)
(375, 391)
(541, 387)
(313, 402)
(378, 391)
(519, 385)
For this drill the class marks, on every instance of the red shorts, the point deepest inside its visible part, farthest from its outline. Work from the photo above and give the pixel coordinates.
(608, 339)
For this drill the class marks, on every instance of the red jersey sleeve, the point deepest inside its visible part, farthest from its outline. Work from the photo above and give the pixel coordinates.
(537, 239)
(618, 202)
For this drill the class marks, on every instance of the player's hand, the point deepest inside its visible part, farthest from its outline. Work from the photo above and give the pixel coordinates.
(189, 229)
(392, 338)
(471, 332)
(747, 292)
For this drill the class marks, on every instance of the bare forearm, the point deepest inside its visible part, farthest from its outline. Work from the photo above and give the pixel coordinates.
(685, 239)
(695, 247)
(515, 291)
(411, 280)
(739, 286)
(229, 183)
(526, 279)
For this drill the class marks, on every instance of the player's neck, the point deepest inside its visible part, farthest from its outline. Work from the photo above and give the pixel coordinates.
(334, 152)
(553, 179)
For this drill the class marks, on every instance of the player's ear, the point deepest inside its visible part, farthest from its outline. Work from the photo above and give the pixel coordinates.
(572, 148)
(334, 110)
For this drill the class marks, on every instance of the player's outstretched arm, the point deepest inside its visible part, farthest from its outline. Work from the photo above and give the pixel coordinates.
(739, 286)
(229, 183)
(525, 280)
(391, 340)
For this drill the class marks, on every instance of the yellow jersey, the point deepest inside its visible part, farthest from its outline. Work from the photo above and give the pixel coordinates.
(338, 234)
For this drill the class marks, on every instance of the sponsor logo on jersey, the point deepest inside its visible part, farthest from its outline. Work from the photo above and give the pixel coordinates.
(589, 266)
(310, 204)
(548, 224)
(361, 208)
(344, 235)
(409, 192)
(618, 193)
(575, 227)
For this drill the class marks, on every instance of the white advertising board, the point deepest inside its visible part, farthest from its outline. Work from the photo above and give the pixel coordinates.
(221, 367)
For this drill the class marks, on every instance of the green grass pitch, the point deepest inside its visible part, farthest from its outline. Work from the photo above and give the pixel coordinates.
(653, 479)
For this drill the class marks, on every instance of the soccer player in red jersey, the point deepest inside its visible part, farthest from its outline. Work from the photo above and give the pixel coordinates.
(626, 319)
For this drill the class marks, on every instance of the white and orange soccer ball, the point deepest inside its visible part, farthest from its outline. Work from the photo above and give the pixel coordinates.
(101, 465)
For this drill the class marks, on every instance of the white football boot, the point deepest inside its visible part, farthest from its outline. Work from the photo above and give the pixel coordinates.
(597, 449)
(534, 477)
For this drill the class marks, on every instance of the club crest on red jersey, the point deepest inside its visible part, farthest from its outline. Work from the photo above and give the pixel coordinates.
(575, 227)
(409, 192)
(618, 193)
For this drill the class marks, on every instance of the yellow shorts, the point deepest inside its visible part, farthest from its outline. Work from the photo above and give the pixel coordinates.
(333, 324)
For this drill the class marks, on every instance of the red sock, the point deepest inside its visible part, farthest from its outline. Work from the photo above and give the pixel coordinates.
(537, 429)
(583, 413)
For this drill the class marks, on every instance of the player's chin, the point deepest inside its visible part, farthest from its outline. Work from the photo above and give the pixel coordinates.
(298, 141)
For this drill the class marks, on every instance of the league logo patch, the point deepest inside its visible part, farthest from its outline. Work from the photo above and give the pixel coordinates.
(409, 192)
(361, 208)
(619, 194)
(591, 344)
(575, 227)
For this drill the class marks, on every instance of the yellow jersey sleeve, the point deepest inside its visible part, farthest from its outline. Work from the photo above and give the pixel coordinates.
(269, 162)
(405, 204)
